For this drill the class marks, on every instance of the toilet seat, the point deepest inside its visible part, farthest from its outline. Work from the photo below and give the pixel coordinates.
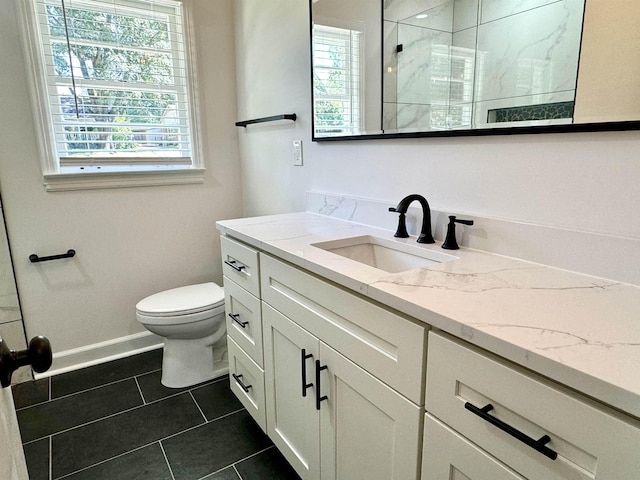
(179, 319)
(181, 302)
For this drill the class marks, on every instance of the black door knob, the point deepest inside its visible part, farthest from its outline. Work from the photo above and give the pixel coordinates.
(38, 355)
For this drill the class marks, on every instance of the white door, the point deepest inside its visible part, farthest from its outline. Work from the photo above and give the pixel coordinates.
(368, 430)
(12, 463)
(292, 419)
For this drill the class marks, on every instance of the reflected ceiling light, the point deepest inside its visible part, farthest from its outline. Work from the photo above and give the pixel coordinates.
(421, 16)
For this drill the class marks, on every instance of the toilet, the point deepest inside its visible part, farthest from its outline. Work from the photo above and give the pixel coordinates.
(191, 320)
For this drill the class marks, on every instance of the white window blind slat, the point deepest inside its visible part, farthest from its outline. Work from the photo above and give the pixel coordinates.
(337, 80)
(116, 79)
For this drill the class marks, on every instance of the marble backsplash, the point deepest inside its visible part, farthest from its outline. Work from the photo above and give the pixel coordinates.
(606, 256)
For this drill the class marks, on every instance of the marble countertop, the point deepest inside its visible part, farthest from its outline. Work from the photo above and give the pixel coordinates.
(579, 330)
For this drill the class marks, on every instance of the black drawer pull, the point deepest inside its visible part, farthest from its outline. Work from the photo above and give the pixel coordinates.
(538, 445)
(233, 264)
(304, 357)
(34, 258)
(236, 318)
(238, 379)
(319, 399)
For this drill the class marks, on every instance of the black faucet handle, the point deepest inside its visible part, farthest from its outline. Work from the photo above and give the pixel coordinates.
(459, 220)
(401, 232)
(450, 242)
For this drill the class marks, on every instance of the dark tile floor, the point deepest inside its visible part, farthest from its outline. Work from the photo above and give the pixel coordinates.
(117, 421)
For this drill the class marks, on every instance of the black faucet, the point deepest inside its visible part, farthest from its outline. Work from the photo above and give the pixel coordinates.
(425, 231)
(450, 243)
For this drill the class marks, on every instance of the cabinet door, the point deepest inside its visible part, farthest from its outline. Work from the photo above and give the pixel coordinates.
(292, 419)
(367, 429)
(448, 456)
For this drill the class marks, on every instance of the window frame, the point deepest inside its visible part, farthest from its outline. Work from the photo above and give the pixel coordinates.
(142, 172)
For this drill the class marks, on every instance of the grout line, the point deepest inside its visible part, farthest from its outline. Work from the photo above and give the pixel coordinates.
(233, 465)
(102, 384)
(201, 424)
(164, 454)
(199, 409)
(111, 415)
(103, 461)
(195, 387)
(136, 407)
(144, 401)
(151, 443)
(50, 457)
(135, 378)
(236, 470)
(75, 393)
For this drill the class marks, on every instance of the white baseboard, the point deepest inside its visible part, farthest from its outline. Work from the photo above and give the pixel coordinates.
(96, 353)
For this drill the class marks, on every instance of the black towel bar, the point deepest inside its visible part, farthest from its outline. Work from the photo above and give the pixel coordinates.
(286, 116)
(35, 258)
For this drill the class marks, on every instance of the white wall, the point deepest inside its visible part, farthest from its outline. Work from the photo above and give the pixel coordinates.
(130, 242)
(578, 181)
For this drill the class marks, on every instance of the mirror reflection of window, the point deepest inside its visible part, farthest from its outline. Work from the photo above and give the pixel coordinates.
(337, 80)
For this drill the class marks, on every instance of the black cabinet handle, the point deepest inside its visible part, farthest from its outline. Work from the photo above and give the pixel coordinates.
(538, 445)
(319, 399)
(233, 264)
(238, 379)
(236, 318)
(38, 355)
(34, 258)
(304, 357)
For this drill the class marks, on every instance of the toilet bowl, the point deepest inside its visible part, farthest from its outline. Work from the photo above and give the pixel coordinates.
(191, 320)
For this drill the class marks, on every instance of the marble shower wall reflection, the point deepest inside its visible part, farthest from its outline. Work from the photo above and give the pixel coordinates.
(463, 63)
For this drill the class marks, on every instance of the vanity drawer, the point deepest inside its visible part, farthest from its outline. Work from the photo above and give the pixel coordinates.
(240, 264)
(388, 346)
(469, 389)
(244, 319)
(247, 383)
(449, 456)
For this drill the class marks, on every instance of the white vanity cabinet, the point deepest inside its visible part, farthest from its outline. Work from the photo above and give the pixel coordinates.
(531, 425)
(332, 418)
(346, 389)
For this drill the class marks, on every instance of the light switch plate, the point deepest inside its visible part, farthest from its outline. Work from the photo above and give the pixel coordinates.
(297, 153)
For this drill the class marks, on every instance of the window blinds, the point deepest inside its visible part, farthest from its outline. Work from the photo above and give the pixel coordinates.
(116, 80)
(337, 80)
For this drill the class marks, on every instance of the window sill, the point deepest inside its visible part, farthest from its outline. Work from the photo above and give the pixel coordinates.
(77, 179)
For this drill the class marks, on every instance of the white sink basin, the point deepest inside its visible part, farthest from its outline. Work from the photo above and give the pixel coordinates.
(391, 256)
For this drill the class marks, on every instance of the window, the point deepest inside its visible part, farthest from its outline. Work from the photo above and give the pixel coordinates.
(337, 80)
(113, 85)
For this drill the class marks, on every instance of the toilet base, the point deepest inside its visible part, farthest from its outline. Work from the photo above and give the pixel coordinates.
(192, 361)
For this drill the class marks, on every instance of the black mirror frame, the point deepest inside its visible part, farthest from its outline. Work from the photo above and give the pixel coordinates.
(525, 130)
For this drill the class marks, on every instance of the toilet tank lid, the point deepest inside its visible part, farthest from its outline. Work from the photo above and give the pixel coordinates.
(182, 299)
